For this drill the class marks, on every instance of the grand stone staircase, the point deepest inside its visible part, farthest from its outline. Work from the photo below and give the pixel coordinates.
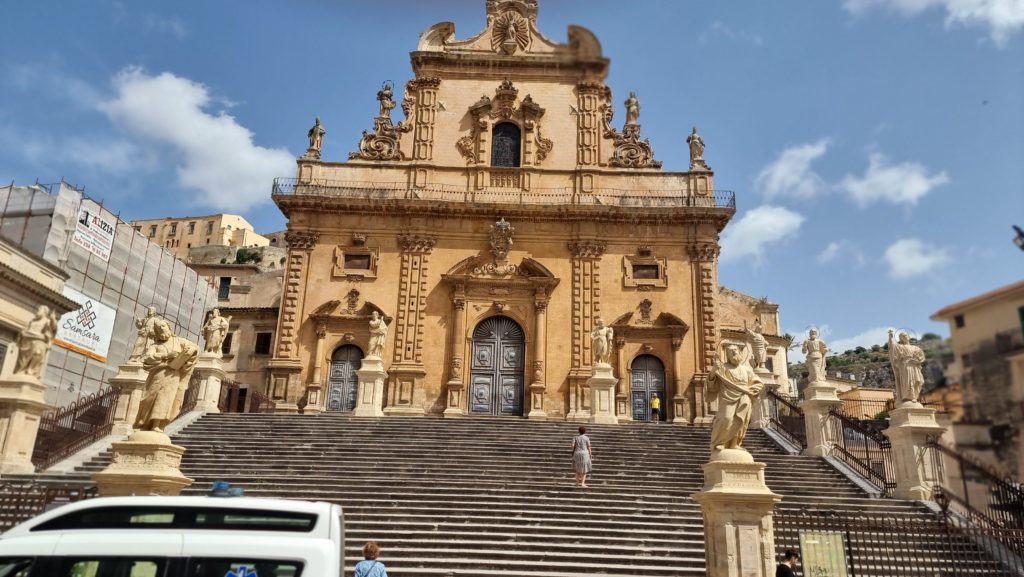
(496, 496)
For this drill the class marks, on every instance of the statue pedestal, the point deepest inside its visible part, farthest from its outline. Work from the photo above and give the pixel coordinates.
(146, 464)
(738, 535)
(370, 396)
(21, 407)
(537, 402)
(819, 398)
(456, 399)
(602, 394)
(910, 427)
(130, 383)
(760, 417)
(210, 370)
(405, 394)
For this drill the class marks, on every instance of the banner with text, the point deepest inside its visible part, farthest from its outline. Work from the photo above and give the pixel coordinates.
(87, 330)
(93, 232)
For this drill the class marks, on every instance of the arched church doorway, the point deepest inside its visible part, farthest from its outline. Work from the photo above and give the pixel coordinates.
(343, 383)
(647, 380)
(496, 372)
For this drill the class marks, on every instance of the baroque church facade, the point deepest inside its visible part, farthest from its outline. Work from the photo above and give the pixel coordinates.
(493, 226)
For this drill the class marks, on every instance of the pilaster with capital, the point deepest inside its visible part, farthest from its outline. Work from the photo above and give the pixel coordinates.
(405, 382)
(285, 368)
(681, 411)
(314, 389)
(456, 405)
(704, 271)
(538, 384)
(586, 291)
(622, 402)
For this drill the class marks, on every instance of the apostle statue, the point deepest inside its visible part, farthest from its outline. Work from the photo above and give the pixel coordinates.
(737, 387)
(378, 334)
(145, 335)
(316, 137)
(34, 343)
(169, 360)
(632, 109)
(757, 344)
(907, 360)
(815, 351)
(214, 330)
(696, 150)
(384, 98)
(602, 339)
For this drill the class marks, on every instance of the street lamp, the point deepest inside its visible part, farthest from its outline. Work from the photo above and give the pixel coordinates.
(1019, 241)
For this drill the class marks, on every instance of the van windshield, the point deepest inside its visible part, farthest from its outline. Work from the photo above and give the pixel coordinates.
(170, 517)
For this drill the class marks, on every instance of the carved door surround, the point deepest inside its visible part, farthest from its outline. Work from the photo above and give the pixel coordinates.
(479, 290)
(336, 324)
(636, 335)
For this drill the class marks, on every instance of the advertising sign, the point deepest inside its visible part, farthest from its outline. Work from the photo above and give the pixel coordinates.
(87, 330)
(93, 232)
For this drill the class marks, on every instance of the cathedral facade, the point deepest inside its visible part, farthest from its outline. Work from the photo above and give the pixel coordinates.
(493, 223)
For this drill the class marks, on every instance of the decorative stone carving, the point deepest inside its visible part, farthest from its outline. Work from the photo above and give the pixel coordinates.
(378, 335)
(169, 362)
(214, 330)
(352, 298)
(815, 351)
(456, 368)
(301, 239)
(906, 360)
(382, 143)
(587, 248)
(632, 109)
(702, 251)
(510, 32)
(758, 344)
(630, 151)
(316, 140)
(602, 342)
(34, 343)
(737, 387)
(696, 151)
(416, 243)
(645, 311)
(501, 239)
(359, 239)
(487, 112)
(467, 148)
(544, 145)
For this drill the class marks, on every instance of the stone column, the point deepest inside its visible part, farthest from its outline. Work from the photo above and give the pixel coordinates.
(538, 386)
(456, 406)
(680, 400)
(146, 464)
(602, 394)
(314, 389)
(21, 408)
(819, 398)
(910, 427)
(130, 383)
(623, 404)
(739, 538)
(761, 416)
(370, 397)
(210, 370)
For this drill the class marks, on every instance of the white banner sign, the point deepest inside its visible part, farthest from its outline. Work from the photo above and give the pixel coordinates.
(92, 231)
(86, 331)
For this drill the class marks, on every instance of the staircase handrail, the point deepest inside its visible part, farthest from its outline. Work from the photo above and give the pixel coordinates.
(796, 434)
(63, 431)
(191, 396)
(1005, 496)
(875, 445)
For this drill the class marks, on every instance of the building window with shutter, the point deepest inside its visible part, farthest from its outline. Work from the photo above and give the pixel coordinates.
(224, 290)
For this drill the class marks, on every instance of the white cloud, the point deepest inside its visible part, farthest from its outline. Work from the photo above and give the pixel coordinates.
(874, 336)
(903, 183)
(836, 249)
(719, 29)
(791, 174)
(910, 257)
(1002, 17)
(757, 229)
(830, 253)
(216, 155)
(167, 24)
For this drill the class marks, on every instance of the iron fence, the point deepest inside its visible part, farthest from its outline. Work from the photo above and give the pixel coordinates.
(20, 501)
(66, 430)
(236, 398)
(975, 491)
(786, 418)
(863, 448)
(914, 544)
(188, 402)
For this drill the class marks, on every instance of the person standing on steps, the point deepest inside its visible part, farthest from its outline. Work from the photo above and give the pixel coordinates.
(656, 408)
(789, 560)
(582, 457)
(370, 566)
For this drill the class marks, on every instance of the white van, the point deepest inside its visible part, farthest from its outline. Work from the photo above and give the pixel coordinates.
(178, 537)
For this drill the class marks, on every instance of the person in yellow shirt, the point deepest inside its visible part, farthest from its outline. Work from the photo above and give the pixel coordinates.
(656, 408)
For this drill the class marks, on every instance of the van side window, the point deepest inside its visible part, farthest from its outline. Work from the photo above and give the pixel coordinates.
(243, 568)
(152, 517)
(14, 567)
(112, 567)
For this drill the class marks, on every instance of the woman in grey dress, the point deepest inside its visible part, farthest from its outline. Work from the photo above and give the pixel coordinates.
(581, 457)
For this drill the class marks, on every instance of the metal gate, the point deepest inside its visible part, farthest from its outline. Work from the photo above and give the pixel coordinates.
(647, 379)
(343, 383)
(496, 374)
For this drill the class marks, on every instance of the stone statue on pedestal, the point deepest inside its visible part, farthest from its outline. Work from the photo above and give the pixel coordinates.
(378, 334)
(632, 109)
(214, 331)
(169, 362)
(737, 388)
(384, 98)
(815, 350)
(316, 139)
(758, 344)
(34, 343)
(145, 336)
(906, 360)
(602, 340)
(696, 150)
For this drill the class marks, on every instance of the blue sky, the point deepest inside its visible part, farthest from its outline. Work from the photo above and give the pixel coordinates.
(876, 146)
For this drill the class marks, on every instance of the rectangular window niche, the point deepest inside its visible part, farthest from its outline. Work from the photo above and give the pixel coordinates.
(355, 261)
(644, 271)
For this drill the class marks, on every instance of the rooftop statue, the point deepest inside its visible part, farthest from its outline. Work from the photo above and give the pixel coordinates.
(632, 109)
(316, 138)
(696, 150)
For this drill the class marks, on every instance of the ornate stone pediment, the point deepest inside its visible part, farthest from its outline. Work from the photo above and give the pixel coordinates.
(334, 311)
(480, 266)
(505, 106)
(662, 321)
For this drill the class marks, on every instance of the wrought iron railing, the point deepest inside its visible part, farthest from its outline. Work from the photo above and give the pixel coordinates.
(66, 430)
(389, 191)
(191, 396)
(975, 491)
(786, 418)
(260, 403)
(237, 399)
(915, 544)
(20, 501)
(863, 448)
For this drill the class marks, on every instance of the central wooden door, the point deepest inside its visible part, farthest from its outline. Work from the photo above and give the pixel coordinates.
(496, 372)
(647, 380)
(343, 383)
